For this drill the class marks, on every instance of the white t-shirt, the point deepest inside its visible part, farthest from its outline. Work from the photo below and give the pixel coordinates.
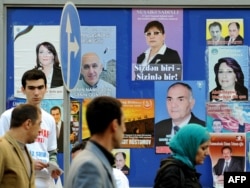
(120, 178)
(46, 141)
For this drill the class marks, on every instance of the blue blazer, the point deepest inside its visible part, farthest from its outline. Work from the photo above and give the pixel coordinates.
(90, 169)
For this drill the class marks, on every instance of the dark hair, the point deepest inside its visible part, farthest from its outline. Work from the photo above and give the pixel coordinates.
(236, 68)
(156, 24)
(123, 154)
(214, 24)
(79, 146)
(226, 147)
(55, 108)
(23, 112)
(101, 111)
(52, 49)
(217, 119)
(182, 84)
(236, 23)
(33, 74)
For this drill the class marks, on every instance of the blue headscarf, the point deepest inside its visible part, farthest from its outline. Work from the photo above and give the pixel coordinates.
(184, 145)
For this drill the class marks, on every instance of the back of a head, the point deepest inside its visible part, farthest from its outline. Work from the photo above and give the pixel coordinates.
(101, 111)
(79, 146)
(22, 112)
(33, 74)
(188, 139)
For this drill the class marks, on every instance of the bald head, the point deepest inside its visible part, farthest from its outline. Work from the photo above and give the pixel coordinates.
(91, 68)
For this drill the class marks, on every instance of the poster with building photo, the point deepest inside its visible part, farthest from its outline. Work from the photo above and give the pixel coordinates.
(98, 65)
(139, 122)
(46, 58)
(228, 73)
(157, 44)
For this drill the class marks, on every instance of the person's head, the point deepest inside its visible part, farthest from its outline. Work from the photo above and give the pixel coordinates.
(191, 144)
(74, 107)
(104, 115)
(215, 30)
(55, 111)
(27, 117)
(226, 152)
(228, 74)
(34, 86)
(91, 68)
(155, 34)
(46, 55)
(120, 160)
(77, 148)
(217, 126)
(234, 29)
(179, 101)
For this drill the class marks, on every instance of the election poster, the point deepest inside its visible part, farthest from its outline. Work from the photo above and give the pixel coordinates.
(157, 44)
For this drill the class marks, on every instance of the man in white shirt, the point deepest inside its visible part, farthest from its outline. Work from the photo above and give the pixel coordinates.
(44, 149)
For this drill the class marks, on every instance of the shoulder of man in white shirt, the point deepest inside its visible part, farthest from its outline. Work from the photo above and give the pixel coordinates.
(120, 178)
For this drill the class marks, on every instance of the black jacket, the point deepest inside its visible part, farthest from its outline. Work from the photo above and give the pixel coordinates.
(170, 56)
(238, 41)
(234, 166)
(164, 128)
(57, 79)
(176, 174)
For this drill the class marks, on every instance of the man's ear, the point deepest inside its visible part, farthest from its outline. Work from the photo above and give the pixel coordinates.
(23, 90)
(192, 103)
(28, 124)
(114, 125)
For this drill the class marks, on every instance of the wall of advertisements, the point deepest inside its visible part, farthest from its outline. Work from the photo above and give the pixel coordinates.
(188, 33)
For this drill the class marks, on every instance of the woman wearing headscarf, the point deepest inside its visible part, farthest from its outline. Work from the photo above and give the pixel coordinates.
(189, 148)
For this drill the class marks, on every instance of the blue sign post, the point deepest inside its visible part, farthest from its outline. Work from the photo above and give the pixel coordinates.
(70, 45)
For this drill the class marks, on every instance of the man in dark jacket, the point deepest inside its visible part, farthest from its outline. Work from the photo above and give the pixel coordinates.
(179, 102)
(227, 164)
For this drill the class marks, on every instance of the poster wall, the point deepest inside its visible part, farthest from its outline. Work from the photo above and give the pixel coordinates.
(192, 34)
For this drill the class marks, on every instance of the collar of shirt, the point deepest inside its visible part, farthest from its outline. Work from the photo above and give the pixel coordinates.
(59, 125)
(109, 155)
(227, 161)
(89, 86)
(161, 52)
(185, 122)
